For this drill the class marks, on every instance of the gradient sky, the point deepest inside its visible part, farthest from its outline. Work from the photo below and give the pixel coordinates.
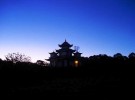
(36, 27)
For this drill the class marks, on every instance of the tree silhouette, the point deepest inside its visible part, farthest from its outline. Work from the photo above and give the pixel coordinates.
(118, 55)
(131, 55)
(17, 57)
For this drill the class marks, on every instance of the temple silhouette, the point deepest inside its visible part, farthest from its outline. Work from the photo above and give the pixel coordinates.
(65, 56)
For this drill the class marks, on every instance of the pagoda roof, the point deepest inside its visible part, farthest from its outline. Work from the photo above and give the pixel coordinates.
(61, 50)
(53, 52)
(77, 53)
(65, 44)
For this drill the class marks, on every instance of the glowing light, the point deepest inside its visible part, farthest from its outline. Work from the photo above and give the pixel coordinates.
(76, 62)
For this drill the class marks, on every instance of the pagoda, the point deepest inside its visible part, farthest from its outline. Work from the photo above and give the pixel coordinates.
(65, 56)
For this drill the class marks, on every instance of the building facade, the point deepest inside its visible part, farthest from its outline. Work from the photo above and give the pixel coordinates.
(65, 56)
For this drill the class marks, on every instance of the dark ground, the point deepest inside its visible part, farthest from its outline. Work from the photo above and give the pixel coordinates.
(96, 82)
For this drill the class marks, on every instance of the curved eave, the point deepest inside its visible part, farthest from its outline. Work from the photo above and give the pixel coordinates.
(47, 59)
(61, 50)
(77, 53)
(62, 45)
(53, 53)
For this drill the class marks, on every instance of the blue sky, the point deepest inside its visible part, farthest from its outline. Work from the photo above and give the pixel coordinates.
(36, 27)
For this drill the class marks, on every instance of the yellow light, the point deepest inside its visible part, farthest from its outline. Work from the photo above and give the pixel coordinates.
(76, 62)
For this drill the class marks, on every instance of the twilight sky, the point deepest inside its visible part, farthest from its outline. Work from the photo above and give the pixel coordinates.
(36, 27)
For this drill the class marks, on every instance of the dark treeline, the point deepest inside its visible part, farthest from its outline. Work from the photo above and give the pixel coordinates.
(98, 75)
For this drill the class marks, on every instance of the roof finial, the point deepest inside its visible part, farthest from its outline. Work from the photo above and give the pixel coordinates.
(65, 40)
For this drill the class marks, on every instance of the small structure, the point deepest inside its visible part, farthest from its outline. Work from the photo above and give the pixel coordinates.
(65, 56)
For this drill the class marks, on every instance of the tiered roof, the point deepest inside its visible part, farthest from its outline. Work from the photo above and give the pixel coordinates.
(77, 52)
(53, 52)
(62, 50)
(65, 44)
